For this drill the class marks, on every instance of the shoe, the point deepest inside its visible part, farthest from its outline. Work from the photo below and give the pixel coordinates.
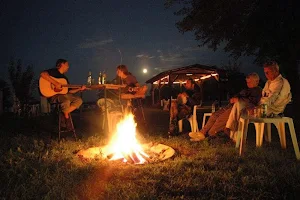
(196, 136)
(195, 140)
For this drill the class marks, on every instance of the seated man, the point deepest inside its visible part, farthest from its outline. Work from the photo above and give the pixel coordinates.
(248, 97)
(183, 107)
(56, 76)
(277, 91)
(276, 95)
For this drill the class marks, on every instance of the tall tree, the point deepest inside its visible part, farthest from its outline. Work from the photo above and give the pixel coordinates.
(22, 82)
(266, 29)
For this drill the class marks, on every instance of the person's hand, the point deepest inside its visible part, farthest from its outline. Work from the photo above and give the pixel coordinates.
(58, 86)
(250, 110)
(82, 88)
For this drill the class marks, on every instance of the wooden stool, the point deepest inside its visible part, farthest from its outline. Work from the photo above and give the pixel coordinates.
(259, 124)
(61, 117)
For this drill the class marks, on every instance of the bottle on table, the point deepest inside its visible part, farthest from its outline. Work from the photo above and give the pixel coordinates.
(100, 78)
(89, 78)
(263, 107)
(103, 77)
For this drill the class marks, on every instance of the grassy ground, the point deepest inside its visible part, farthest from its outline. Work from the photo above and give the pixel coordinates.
(34, 165)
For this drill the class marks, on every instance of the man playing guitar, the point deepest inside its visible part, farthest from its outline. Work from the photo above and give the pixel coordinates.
(55, 76)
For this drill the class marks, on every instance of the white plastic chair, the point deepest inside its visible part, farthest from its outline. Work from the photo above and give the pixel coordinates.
(241, 134)
(192, 119)
(205, 115)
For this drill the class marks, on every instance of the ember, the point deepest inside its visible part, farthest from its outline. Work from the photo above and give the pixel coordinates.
(124, 146)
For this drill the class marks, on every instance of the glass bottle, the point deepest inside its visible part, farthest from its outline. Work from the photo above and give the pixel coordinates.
(100, 78)
(103, 77)
(89, 78)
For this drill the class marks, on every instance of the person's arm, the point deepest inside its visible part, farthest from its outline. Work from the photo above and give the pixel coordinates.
(271, 94)
(73, 91)
(45, 75)
(251, 95)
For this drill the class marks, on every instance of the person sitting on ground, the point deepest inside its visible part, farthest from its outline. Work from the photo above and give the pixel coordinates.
(68, 102)
(183, 107)
(277, 91)
(248, 97)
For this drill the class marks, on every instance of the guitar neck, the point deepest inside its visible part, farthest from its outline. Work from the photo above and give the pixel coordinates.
(72, 86)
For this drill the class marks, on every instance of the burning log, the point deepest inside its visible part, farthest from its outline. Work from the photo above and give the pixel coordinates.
(128, 158)
(134, 157)
(148, 159)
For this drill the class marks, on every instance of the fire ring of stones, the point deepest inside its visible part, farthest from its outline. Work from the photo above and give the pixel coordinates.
(149, 153)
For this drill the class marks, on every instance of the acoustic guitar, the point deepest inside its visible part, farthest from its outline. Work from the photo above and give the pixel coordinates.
(47, 89)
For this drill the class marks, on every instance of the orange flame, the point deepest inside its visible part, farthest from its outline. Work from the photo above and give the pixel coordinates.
(124, 143)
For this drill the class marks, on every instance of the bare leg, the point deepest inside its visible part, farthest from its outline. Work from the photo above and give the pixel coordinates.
(68, 111)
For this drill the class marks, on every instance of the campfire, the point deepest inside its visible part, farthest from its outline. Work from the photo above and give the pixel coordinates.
(125, 146)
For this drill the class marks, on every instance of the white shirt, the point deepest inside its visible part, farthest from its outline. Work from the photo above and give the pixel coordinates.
(276, 94)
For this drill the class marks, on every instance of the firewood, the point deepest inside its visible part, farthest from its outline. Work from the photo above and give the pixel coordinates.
(128, 158)
(134, 157)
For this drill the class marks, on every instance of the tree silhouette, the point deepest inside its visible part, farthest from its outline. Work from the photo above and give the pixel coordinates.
(266, 29)
(22, 82)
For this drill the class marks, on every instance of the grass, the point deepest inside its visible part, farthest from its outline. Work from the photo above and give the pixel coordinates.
(34, 165)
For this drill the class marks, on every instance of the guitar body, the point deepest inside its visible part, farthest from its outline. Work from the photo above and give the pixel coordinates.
(47, 89)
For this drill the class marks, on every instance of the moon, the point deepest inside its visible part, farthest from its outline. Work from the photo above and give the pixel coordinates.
(145, 70)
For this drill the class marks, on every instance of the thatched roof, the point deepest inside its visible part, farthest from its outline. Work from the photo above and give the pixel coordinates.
(195, 71)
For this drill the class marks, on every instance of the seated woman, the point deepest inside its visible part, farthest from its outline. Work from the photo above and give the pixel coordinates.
(183, 107)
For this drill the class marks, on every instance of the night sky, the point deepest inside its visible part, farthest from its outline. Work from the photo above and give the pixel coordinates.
(98, 35)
